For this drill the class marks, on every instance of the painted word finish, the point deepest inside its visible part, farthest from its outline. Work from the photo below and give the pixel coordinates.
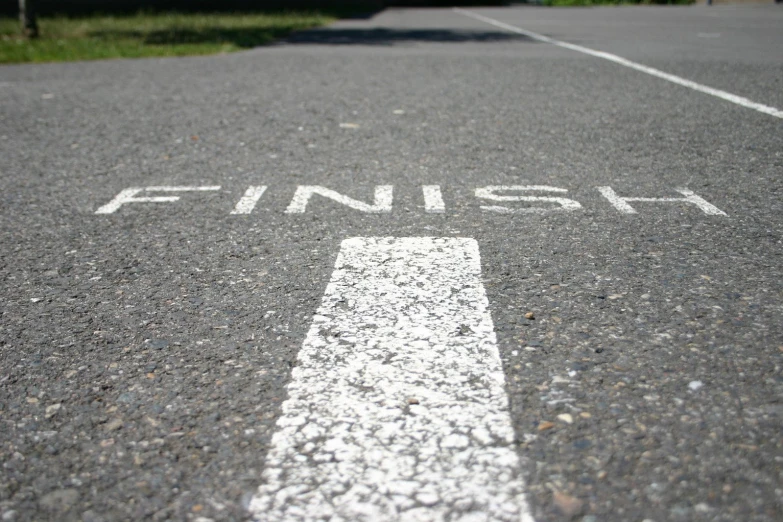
(543, 199)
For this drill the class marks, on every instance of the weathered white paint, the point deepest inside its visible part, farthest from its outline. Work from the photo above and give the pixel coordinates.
(128, 195)
(382, 203)
(490, 193)
(621, 203)
(248, 202)
(433, 199)
(733, 98)
(396, 409)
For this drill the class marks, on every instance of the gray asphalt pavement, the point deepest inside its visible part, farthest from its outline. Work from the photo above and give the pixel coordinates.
(145, 352)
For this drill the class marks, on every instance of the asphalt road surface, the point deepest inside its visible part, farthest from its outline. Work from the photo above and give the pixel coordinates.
(426, 265)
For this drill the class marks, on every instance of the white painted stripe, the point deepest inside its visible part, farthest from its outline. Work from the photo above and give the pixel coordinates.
(433, 199)
(248, 202)
(739, 100)
(397, 409)
(382, 202)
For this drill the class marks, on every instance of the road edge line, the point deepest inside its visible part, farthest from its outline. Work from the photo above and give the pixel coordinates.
(733, 98)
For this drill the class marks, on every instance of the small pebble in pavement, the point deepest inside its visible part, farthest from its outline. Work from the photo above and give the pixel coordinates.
(568, 505)
(566, 417)
(545, 425)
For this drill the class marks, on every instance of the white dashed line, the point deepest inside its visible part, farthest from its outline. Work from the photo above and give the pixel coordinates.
(739, 100)
(397, 409)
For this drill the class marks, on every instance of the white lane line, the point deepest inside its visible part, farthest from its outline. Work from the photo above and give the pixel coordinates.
(739, 100)
(248, 202)
(397, 409)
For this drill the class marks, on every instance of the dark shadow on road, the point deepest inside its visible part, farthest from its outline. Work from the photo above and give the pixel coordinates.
(385, 36)
(253, 37)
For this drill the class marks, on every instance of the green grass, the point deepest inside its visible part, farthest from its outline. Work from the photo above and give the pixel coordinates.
(148, 34)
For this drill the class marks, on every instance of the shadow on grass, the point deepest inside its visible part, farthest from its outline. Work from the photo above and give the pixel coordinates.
(239, 37)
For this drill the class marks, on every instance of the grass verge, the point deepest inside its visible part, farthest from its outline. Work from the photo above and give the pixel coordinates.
(146, 34)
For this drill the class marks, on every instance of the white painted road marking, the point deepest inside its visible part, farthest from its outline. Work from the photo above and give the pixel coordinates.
(621, 203)
(739, 100)
(249, 200)
(129, 196)
(397, 408)
(490, 193)
(433, 199)
(382, 203)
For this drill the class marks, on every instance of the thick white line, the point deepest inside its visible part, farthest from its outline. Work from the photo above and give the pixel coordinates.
(739, 100)
(433, 199)
(248, 202)
(397, 409)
